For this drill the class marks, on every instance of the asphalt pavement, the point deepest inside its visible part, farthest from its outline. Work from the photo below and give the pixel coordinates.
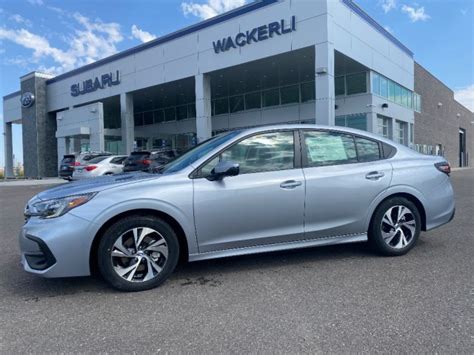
(340, 299)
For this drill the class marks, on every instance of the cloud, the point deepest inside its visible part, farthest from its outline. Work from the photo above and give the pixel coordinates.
(388, 5)
(416, 15)
(465, 96)
(21, 20)
(92, 41)
(36, 2)
(141, 35)
(210, 8)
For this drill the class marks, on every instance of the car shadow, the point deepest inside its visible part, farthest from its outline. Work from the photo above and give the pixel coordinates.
(30, 288)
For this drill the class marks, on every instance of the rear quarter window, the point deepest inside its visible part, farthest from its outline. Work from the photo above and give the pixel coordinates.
(367, 149)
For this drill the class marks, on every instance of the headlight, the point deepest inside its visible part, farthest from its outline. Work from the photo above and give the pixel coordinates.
(57, 207)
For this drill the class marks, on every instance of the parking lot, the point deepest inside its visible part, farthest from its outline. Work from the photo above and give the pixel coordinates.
(330, 299)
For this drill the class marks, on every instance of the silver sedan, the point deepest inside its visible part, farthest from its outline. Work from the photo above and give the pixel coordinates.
(104, 165)
(241, 192)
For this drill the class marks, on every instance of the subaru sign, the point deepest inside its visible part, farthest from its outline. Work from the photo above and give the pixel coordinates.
(256, 34)
(91, 85)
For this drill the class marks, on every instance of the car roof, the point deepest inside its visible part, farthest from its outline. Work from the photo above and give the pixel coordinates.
(246, 131)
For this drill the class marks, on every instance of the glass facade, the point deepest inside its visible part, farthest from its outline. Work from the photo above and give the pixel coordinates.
(175, 113)
(394, 92)
(358, 121)
(351, 84)
(277, 96)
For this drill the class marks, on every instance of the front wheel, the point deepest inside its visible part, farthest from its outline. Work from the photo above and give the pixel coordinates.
(138, 253)
(395, 227)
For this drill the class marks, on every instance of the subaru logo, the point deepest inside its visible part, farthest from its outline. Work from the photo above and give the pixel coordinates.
(27, 99)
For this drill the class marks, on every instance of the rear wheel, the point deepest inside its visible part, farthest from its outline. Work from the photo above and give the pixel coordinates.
(138, 253)
(395, 227)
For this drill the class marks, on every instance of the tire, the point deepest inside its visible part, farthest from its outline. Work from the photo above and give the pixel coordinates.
(390, 234)
(128, 268)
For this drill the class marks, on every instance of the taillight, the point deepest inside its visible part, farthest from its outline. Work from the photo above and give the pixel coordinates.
(91, 167)
(443, 167)
(75, 164)
(145, 161)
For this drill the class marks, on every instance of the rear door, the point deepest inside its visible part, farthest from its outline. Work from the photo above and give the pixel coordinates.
(344, 174)
(262, 205)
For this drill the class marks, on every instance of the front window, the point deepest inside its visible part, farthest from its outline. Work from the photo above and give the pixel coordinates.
(263, 152)
(197, 152)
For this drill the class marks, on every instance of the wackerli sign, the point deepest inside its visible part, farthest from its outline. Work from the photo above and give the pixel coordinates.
(91, 85)
(255, 35)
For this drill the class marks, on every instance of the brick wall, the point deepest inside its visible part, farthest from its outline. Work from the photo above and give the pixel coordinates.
(440, 124)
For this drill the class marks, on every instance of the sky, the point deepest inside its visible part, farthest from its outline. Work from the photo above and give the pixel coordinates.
(57, 36)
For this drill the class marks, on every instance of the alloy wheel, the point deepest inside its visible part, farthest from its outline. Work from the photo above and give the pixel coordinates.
(139, 254)
(398, 227)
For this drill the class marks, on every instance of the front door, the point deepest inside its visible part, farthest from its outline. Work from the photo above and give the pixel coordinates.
(344, 174)
(264, 204)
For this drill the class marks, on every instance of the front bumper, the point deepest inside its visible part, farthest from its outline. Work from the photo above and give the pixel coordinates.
(58, 247)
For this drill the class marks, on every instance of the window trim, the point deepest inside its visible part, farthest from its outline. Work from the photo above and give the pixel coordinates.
(304, 151)
(297, 158)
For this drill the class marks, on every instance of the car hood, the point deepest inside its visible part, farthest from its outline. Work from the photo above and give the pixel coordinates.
(94, 185)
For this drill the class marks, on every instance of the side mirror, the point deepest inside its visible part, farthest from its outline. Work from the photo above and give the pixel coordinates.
(223, 169)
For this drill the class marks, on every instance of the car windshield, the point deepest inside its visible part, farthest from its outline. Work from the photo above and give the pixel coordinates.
(197, 152)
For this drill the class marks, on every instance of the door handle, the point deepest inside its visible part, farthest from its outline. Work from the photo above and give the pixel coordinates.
(290, 184)
(374, 175)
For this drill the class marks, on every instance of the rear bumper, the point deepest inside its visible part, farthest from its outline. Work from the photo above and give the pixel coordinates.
(441, 207)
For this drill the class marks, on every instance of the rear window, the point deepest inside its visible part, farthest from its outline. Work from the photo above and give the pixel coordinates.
(69, 159)
(138, 155)
(96, 160)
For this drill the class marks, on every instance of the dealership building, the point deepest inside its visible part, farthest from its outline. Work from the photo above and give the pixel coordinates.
(269, 62)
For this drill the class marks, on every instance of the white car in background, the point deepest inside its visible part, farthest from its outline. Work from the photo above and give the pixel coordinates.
(104, 165)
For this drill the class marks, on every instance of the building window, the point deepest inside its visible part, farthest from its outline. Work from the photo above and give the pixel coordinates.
(182, 112)
(357, 121)
(253, 101)
(290, 94)
(236, 103)
(221, 106)
(148, 118)
(383, 126)
(271, 98)
(159, 116)
(411, 133)
(170, 114)
(401, 132)
(416, 102)
(340, 86)
(138, 119)
(356, 83)
(308, 91)
(394, 92)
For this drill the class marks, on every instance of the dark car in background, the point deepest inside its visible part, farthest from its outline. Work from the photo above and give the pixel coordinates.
(69, 161)
(149, 161)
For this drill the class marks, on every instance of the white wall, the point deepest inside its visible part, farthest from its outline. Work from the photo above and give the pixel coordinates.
(12, 109)
(355, 38)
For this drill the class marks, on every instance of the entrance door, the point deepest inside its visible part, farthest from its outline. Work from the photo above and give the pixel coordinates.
(264, 204)
(462, 148)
